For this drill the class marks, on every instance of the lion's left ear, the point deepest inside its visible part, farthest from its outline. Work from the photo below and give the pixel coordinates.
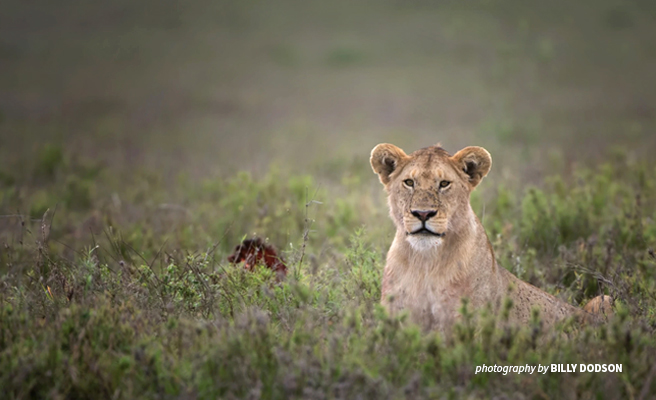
(475, 162)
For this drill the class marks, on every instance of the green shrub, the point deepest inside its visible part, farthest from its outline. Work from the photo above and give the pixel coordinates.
(49, 160)
(128, 294)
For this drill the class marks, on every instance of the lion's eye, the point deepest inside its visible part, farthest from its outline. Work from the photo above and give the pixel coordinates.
(409, 182)
(444, 184)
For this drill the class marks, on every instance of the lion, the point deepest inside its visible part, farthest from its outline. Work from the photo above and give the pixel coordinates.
(441, 253)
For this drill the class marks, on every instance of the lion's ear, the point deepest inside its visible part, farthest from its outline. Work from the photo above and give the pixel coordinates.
(385, 159)
(475, 162)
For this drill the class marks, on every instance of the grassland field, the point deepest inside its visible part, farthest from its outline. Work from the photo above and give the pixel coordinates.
(141, 141)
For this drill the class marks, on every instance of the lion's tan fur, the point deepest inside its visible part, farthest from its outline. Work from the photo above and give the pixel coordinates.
(429, 271)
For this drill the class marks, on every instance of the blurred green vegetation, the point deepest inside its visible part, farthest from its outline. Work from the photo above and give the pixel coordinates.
(234, 85)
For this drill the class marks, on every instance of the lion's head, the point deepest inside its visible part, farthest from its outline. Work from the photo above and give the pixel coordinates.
(429, 190)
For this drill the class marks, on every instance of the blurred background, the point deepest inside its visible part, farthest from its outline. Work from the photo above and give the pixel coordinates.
(205, 86)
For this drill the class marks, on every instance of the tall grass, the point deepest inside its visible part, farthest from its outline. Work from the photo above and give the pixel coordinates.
(117, 287)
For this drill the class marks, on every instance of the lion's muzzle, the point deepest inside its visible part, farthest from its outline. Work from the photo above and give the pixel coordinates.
(423, 225)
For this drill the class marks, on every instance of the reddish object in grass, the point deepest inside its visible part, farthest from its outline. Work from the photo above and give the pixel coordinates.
(255, 252)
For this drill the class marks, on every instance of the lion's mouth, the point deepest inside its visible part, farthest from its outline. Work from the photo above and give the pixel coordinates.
(426, 231)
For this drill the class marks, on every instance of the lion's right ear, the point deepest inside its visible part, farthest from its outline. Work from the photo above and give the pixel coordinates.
(385, 159)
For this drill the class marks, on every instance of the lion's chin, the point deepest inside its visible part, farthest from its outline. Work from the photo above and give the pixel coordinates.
(422, 242)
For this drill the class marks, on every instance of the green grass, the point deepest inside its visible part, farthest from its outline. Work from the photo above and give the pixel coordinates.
(119, 291)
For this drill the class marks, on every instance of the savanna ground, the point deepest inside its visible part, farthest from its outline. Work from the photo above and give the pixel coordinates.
(141, 141)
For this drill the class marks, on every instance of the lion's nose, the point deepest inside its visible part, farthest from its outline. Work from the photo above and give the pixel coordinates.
(424, 215)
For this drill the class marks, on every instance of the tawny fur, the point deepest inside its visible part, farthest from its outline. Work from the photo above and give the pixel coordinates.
(430, 270)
